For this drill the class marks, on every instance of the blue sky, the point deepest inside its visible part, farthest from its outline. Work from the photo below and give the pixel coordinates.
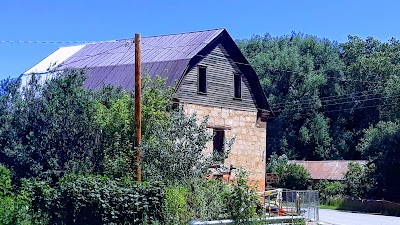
(99, 20)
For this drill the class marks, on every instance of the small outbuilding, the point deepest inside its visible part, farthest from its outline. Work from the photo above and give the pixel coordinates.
(332, 170)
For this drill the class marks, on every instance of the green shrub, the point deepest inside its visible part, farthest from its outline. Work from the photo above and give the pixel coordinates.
(208, 199)
(198, 199)
(176, 208)
(14, 206)
(295, 177)
(359, 180)
(330, 192)
(243, 201)
(91, 199)
(291, 176)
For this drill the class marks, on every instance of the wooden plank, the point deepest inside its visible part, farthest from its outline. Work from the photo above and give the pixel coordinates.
(220, 73)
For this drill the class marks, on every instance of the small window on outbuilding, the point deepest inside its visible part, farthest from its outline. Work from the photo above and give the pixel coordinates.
(202, 80)
(218, 141)
(237, 85)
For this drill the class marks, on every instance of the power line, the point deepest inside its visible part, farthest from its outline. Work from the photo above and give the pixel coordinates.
(120, 59)
(346, 109)
(44, 42)
(342, 103)
(327, 98)
(309, 101)
(172, 49)
(90, 56)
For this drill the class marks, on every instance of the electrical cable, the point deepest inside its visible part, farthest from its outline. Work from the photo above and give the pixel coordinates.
(173, 48)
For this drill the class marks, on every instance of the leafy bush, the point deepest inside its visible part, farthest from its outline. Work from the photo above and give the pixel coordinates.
(196, 199)
(295, 177)
(211, 200)
(291, 176)
(90, 199)
(330, 192)
(208, 199)
(176, 208)
(14, 206)
(359, 180)
(243, 201)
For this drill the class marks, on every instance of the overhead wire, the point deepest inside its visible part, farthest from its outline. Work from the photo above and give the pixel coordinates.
(344, 103)
(279, 105)
(121, 57)
(90, 56)
(327, 98)
(43, 42)
(309, 101)
(346, 109)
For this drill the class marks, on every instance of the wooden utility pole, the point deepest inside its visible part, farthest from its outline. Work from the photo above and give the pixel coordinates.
(138, 107)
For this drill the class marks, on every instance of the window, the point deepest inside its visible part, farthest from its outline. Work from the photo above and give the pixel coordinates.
(237, 85)
(202, 80)
(218, 141)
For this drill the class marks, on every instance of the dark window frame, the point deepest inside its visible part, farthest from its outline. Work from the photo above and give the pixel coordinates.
(237, 90)
(201, 80)
(218, 141)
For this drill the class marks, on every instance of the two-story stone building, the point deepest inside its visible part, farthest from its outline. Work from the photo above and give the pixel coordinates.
(210, 76)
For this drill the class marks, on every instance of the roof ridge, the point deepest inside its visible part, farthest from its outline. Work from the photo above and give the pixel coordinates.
(127, 39)
(190, 32)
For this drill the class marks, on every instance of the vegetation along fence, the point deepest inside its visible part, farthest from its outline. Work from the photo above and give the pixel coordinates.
(303, 203)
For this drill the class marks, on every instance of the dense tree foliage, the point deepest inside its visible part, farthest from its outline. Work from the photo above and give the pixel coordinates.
(71, 155)
(49, 131)
(294, 73)
(381, 144)
(330, 100)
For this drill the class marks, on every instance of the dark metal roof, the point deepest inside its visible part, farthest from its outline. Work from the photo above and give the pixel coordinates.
(168, 56)
(113, 62)
(327, 170)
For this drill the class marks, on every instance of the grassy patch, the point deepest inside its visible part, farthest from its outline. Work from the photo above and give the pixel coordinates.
(328, 207)
(368, 206)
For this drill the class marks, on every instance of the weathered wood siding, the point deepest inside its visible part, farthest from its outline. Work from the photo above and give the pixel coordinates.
(220, 92)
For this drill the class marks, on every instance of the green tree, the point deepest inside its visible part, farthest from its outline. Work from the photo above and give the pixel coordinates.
(49, 130)
(380, 145)
(359, 180)
(291, 176)
(295, 72)
(330, 191)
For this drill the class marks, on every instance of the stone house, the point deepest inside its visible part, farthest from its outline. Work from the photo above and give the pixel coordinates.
(210, 76)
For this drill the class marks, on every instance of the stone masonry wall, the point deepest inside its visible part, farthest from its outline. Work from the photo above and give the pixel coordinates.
(249, 149)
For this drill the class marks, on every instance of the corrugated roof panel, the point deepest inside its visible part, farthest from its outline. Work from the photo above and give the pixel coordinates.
(327, 170)
(55, 59)
(113, 62)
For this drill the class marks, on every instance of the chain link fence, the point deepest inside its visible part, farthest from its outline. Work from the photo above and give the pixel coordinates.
(304, 203)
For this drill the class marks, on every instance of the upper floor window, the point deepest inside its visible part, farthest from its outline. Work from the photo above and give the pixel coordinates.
(202, 80)
(237, 86)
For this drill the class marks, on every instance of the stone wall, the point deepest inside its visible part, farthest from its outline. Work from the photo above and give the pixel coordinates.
(249, 150)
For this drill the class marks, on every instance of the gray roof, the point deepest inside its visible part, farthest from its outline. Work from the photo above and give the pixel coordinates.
(112, 62)
(169, 56)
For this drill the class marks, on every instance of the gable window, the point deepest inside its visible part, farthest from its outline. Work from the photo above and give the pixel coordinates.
(237, 86)
(202, 80)
(218, 141)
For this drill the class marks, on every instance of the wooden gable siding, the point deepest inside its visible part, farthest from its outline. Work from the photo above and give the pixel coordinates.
(220, 92)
